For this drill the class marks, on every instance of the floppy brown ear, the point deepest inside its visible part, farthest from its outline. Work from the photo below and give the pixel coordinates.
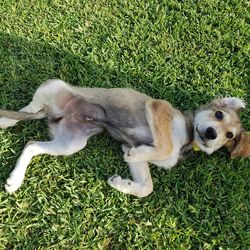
(240, 147)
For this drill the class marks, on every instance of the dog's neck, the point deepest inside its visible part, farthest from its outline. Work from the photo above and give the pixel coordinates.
(189, 116)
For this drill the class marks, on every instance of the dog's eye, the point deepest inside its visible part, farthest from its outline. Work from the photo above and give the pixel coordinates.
(229, 135)
(219, 115)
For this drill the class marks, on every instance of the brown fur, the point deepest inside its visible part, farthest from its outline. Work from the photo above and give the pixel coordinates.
(240, 147)
(159, 116)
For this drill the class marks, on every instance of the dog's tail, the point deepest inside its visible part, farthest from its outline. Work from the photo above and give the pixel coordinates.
(23, 116)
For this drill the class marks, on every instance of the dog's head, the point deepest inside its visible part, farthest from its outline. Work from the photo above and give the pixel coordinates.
(218, 124)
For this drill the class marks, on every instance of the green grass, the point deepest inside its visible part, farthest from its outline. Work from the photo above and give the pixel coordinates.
(187, 52)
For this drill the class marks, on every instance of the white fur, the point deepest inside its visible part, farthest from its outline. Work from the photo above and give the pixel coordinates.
(180, 138)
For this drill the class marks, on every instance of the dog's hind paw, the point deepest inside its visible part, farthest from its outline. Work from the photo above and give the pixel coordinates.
(6, 122)
(12, 184)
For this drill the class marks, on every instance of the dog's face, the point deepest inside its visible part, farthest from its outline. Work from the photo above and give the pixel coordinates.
(217, 123)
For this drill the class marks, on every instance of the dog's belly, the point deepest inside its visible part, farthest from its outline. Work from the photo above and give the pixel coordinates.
(131, 136)
(141, 135)
(128, 126)
(122, 123)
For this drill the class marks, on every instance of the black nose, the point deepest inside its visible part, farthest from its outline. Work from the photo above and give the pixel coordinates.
(211, 134)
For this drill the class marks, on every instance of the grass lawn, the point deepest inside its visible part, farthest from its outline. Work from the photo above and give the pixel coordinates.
(186, 52)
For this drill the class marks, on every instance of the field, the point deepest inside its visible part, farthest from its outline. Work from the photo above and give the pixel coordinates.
(187, 52)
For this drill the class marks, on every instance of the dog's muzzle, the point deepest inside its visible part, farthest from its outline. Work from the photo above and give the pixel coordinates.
(201, 137)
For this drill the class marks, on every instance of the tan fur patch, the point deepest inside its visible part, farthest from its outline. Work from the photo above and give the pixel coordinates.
(242, 148)
(160, 116)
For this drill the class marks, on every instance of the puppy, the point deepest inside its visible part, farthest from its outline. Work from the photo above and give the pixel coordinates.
(151, 131)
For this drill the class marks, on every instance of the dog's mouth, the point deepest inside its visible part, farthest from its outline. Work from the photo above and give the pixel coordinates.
(200, 136)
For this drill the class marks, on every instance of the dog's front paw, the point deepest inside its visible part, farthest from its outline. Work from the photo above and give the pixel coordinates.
(122, 185)
(129, 153)
(133, 155)
(13, 183)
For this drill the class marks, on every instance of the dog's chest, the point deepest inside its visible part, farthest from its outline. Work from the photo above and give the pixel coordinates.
(180, 137)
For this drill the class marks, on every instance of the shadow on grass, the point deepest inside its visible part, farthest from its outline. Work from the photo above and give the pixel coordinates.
(24, 66)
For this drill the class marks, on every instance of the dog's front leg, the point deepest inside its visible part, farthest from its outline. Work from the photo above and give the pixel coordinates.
(140, 186)
(159, 116)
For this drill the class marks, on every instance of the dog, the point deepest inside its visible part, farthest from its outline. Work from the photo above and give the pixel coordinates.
(150, 130)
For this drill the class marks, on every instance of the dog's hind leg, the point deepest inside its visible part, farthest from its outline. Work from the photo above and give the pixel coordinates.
(140, 186)
(66, 142)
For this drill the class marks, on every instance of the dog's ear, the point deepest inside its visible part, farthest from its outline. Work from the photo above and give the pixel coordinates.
(240, 146)
(230, 102)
